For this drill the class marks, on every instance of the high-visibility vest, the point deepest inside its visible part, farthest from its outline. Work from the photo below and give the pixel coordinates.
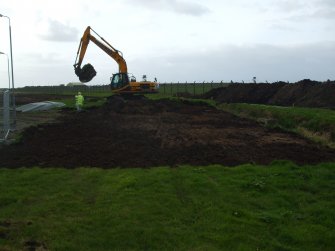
(79, 99)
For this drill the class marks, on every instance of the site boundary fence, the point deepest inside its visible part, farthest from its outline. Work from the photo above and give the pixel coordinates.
(6, 113)
(192, 89)
(164, 89)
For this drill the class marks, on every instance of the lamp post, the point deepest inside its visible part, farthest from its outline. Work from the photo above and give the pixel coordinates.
(2, 53)
(11, 60)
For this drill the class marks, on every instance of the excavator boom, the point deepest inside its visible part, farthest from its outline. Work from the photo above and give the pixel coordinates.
(86, 74)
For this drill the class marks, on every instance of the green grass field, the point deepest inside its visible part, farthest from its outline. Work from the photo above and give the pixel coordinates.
(276, 207)
(313, 123)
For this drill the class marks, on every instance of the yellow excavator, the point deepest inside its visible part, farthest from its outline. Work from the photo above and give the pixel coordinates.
(120, 82)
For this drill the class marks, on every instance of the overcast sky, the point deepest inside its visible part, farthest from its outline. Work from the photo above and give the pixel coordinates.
(173, 40)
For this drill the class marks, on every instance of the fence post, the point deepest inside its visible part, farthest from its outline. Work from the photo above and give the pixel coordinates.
(203, 87)
(177, 89)
(194, 88)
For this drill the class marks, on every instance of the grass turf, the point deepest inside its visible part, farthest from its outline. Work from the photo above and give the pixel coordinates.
(313, 123)
(277, 207)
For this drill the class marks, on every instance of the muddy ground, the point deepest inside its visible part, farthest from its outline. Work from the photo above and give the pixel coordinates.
(147, 133)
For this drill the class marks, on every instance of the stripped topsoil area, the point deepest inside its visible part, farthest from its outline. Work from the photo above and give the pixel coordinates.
(147, 133)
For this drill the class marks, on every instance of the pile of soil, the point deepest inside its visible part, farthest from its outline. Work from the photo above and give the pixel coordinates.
(305, 93)
(147, 133)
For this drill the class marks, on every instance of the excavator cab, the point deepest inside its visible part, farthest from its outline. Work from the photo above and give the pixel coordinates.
(120, 84)
(119, 80)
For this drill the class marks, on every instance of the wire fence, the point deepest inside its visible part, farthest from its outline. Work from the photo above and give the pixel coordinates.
(65, 90)
(165, 89)
(6, 114)
(188, 89)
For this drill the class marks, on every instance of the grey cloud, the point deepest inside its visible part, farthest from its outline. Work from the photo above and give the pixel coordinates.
(322, 9)
(276, 6)
(42, 60)
(326, 13)
(189, 8)
(178, 6)
(59, 32)
(299, 10)
(282, 27)
(326, 3)
(289, 6)
(317, 9)
(33, 75)
(43, 69)
(237, 63)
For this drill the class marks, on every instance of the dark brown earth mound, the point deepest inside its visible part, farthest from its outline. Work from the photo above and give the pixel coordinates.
(146, 133)
(304, 93)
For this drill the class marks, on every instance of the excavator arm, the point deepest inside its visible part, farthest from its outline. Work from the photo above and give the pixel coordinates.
(120, 83)
(87, 72)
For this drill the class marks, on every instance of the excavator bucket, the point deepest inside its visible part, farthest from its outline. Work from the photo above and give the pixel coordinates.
(86, 73)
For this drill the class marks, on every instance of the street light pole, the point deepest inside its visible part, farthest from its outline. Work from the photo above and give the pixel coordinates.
(2, 53)
(11, 60)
